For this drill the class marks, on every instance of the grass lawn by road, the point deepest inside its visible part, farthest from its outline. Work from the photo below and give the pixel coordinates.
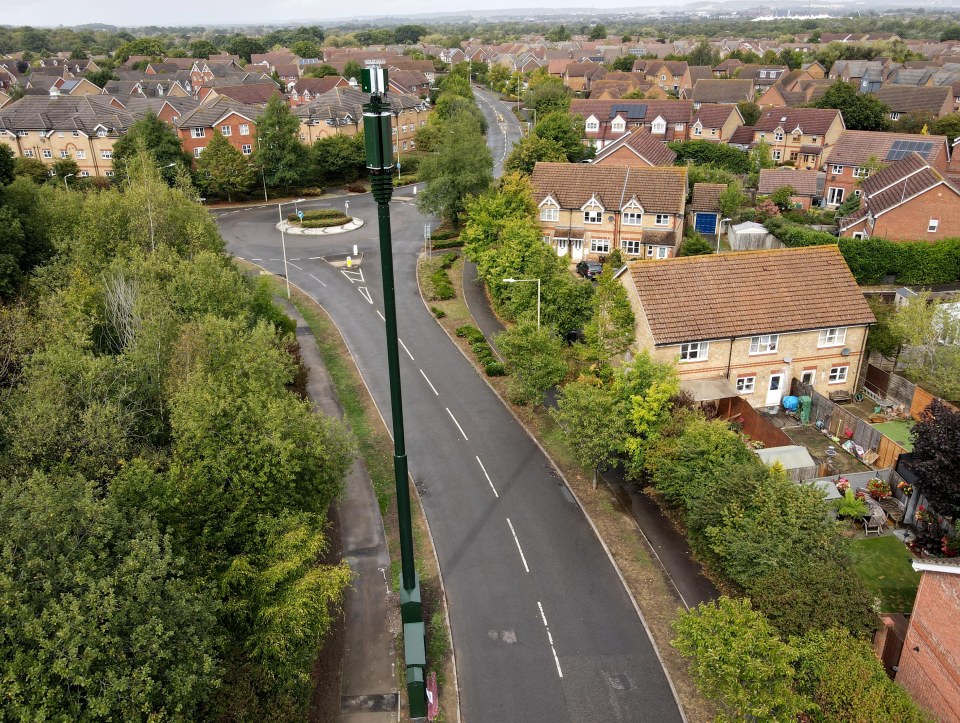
(884, 565)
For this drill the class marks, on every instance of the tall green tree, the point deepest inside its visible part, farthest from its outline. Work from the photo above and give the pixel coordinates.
(624, 63)
(546, 94)
(222, 170)
(535, 359)
(281, 157)
(352, 70)
(339, 159)
(567, 130)
(530, 150)
(860, 112)
(152, 134)
(610, 330)
(460, 167)
(588, 404)
(6, 165)
(930, 333)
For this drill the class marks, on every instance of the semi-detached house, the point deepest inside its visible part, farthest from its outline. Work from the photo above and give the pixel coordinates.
(798, 135)
(586, 211)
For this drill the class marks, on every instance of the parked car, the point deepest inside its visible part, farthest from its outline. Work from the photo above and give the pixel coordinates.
(589, 269)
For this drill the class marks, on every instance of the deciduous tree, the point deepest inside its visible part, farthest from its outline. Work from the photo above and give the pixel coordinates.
(279, 154)
(936, 456)
(152, 134)
(222, 170)
(534, 357)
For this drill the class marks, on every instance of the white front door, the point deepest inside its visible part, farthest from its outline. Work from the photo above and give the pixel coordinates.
(576, 249)
(561, 247)
(775, 390)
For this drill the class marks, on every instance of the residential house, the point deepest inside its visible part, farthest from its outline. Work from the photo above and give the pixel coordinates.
(727, 68)
(671, 75)
(904, 99)
(586, 211)
(307, 90)
(909, 200)
(858, 153)
(798, 135)
(248, 93)
(716, 123)
(409, 82)
(80, 128)
(579, 76)
(762, 76)
(930, 657)
(234, 120)
(703, 211)
(637, 147)
(4, 99)
(726, 92)
(607, 120)
(807, 185)
(867, 75)
(751, 318)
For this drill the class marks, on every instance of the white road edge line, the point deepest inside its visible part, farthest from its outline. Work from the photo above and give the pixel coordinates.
(382, 317)
(465, 437)
(491, 485)
(405, 348)
(550, 638)
(256, 259)
(316, 279)
(434, 389)
(524, 559)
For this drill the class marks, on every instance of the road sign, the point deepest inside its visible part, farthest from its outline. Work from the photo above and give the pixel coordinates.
(300, 214)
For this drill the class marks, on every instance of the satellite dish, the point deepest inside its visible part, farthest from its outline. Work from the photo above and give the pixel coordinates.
(845, 352)
(787, 359)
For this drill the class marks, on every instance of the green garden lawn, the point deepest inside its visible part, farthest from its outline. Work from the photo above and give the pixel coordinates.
(884, 565)
(899, 432)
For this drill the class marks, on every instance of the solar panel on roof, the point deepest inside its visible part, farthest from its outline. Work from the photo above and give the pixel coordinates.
(631, 111)
(902, 149)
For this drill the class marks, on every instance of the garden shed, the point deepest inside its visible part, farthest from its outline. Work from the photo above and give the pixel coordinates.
(750, 236)
(795, 460)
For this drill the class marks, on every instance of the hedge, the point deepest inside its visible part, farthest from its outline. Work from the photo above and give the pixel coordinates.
(443, 234)
(872, 260)
(325, 222)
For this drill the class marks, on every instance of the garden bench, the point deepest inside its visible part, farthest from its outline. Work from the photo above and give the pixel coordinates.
(840, 396)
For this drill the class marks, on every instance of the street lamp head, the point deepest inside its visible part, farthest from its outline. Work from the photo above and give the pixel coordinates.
(509, 281)
(169, 165)
(69, 175)
(300, 200)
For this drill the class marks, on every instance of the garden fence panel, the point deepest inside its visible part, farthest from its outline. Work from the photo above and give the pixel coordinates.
(877, 381)
(921, 400)
(901, 390)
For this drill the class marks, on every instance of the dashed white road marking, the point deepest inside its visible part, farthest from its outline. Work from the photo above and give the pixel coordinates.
(380, 315)
(294, 265)
(405, 348)
(314, 258)
(556, 659)
(256, 259)
(365, 294)
(524, 559)
(430, 383)
(465, 437)
(491, 482)
(316, 279)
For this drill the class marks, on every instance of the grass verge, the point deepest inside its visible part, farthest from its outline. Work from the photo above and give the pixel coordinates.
(615, 525)
(883, 564)
(376, 448)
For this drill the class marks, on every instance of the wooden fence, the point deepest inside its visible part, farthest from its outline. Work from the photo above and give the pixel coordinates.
(753, 423)
(882, 384)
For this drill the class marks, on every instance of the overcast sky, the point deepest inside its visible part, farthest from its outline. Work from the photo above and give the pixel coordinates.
(195, 12)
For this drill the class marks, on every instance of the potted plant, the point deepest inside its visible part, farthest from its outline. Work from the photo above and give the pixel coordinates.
(850, 507)
(878, 489)
(843, 484)
(905, 487)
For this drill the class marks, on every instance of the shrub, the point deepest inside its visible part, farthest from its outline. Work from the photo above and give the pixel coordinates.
(324, 222)
(323, 213)
(356, 187)
(471, 333)
(448, 260)
(695, 245)
(444, 234)
(442, 288)
(495, 369)
(439, 313)
(450, 244)
(482, 351)
(850, 507)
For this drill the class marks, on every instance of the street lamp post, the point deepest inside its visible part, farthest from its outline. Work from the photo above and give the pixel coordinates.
(69, 175)
(520, 281)
(283, 240)
(378, 140)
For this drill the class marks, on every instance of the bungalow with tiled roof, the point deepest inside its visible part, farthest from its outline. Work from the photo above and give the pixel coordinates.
(729, 92)
(904, 99)
(586, 211)
(636, 148)
(748, 320)
(857, 153)
(807, 185)
(798, 135)
(909, 200)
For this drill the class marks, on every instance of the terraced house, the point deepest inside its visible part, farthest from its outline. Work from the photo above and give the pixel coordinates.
(586, 211)
(748, 321)
(798, 135)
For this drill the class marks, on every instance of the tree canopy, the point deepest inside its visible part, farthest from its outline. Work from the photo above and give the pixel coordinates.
(860, 112)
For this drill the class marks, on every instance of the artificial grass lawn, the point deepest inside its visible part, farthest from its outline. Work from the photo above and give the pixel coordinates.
(899, 432)
(884, 564)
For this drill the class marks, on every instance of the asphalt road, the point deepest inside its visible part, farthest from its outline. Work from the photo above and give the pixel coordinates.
(543, 629)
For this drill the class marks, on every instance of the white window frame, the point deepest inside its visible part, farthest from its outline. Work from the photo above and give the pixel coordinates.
(694, 351)
(658, 127)
(764, 344)
(549, 213)
(658, 252)
(81, 155)
(102, 133)
(75, 134)
(226, 131)
(746, 385)
(592, 126)
(64, 153)
(632, 218)
(198, 133)
(246, 149)
(836, 170)
(894, 116)
(593, 216)
(599, 245)
(197, 151)
(697, 130)
(835, 195)
(84, 174)
(811, 373)
(632, 246)
(778, 136)
(28, 153)
(47, 153)
(662, 219)
(618, 126)
(678, 127)
(244, 129)
(833, 336)
(860, 172)
(932, 225)
(778, 155)
(106, 154)
(109, 174)
(22, 134)
(838, 375)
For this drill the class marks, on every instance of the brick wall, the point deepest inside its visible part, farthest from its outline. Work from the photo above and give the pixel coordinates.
(930, 662)
(909, 221)
(623, 157)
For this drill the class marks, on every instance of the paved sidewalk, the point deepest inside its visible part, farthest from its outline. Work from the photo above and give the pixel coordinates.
(368, 688)
(670, 547)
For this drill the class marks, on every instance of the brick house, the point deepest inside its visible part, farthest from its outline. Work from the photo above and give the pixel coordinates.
(929, 667)
(715, 123)
(726, 92)
(578, 76)
(636, 148)
(236, 121)
(671, 75)
(907, 201)
(849, 160)
(798, 135)
(606, 120)
(587, 210)
(903, 99)
(307, 90)
(747, 318)
(808, 185)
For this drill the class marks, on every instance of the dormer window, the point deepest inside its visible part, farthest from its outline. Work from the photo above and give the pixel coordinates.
(592, 124)
(778, 135)
(549, 212)
(697, 129)
(101, 133)
(619, 125)
(659, 126)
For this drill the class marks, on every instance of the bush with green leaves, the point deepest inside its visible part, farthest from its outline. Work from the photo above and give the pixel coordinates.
(850, 507)
(471, 333)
